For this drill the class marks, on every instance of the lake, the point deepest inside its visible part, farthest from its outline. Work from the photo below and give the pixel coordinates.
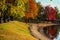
(53, 32)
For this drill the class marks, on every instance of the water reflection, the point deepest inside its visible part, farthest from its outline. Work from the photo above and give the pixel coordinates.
(58, 37)
(52, 32)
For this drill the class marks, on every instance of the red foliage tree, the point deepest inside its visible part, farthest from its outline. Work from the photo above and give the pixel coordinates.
(50, 13)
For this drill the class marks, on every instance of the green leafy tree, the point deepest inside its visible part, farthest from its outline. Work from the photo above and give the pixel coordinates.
(57, 12)
(40, 11)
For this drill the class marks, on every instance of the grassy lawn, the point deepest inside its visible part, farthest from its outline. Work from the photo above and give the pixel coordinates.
(15, 30)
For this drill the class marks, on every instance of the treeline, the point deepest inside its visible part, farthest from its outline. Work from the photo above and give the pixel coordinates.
(12, 9)
(17, 9)
(21, 10)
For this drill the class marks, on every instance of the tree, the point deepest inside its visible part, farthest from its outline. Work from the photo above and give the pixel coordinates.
(3, 9)
(40, 11)
(19, 8)
(57, 12)
(33, 10)
(50, 13)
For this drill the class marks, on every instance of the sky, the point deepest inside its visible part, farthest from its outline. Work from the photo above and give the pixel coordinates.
(52, 3)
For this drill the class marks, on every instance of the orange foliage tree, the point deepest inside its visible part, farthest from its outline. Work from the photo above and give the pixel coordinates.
(33, 10)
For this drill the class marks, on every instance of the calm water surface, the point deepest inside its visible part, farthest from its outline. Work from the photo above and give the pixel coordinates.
(52, 32)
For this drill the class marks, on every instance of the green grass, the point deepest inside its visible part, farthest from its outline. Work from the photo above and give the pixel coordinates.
(15, 30)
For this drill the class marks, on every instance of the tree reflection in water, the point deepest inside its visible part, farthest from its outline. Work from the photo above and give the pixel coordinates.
(51, 31)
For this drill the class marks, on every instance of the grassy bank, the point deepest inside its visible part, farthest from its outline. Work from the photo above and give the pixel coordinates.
(15, 30)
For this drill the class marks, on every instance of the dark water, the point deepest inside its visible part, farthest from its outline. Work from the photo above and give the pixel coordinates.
(52, 32)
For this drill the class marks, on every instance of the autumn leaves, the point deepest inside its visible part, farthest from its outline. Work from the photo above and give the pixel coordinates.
(33, 10)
